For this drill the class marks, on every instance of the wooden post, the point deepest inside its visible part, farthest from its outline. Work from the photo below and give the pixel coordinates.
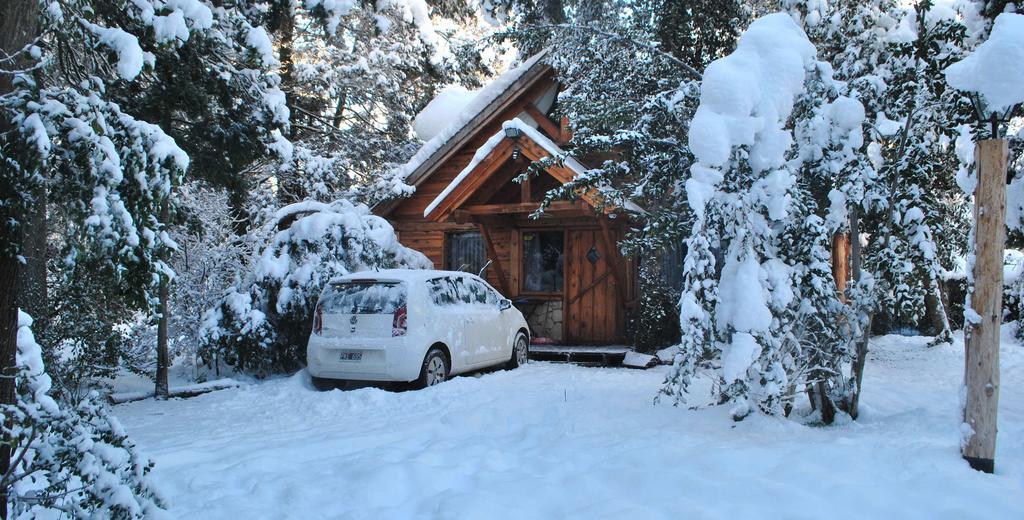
(493, 253)
(981, 374)
(841, 262)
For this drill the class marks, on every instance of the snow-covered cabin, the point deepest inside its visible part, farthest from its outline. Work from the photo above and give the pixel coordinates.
(562, 270)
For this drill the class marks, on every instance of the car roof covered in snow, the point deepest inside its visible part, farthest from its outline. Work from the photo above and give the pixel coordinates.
(397, 275)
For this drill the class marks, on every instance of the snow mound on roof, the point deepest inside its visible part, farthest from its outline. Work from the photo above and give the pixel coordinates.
(996, 68)
(439, 113)
(484, 98)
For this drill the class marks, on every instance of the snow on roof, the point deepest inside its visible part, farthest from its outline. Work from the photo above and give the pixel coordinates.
(481, 153)
(471, 110)
(442, 110)
(995, 69)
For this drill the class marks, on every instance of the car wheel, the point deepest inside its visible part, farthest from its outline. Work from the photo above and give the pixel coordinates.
(323, 384)
(434, 370)
(520, 352)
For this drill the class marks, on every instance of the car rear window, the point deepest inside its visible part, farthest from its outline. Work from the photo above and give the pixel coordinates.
(363, 298)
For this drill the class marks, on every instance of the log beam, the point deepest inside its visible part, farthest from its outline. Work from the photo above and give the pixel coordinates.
(492, 252)
(526, 207)
(546, 124)
(841, 262)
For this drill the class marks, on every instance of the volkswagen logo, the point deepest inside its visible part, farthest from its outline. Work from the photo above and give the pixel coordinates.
(354, 319)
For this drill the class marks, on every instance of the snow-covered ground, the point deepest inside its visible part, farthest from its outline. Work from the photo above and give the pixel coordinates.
(562, 441)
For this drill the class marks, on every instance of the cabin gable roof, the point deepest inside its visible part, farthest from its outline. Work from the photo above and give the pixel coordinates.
(495, 153)
(438, 151)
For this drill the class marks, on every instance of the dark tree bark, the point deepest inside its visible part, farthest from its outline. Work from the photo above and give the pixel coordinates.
(33, 297)
(162, 358)
(18, 28)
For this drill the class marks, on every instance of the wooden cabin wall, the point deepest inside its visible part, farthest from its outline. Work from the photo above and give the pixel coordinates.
(428, 238)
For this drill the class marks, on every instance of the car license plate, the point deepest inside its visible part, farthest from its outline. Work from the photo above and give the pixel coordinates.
(351, 356)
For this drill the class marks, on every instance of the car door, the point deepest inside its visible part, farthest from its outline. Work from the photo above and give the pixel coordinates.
(488, 330)
(451, 320)
(476, 350)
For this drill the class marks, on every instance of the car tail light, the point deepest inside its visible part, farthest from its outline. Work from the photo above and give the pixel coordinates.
(318, 321)
(400, 323)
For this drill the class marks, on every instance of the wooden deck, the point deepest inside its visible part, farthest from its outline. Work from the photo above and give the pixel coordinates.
(604, 355)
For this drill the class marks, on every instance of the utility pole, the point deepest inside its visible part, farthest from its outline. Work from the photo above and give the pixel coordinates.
(981, 373)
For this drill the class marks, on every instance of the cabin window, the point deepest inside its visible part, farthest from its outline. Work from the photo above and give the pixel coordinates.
(671, 266)
(465, 252)
(543, 261)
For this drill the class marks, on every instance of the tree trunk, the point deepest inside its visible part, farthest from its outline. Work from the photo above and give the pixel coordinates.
(939, 318)
(981, 364)
(162, 362)
(861, 353)
(32, 292)
(18, 28)
(289, 186)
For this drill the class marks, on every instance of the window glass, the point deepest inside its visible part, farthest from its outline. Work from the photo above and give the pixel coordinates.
(543, 260)
(363, 298)
(465, 252)
(480, 293)
(461, 290)
(671, 266)
(442, 291)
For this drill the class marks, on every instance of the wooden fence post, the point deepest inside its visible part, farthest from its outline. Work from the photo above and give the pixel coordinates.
(981, 372)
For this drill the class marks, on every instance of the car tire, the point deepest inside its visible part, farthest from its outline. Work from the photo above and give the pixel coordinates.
(434, 369)
(323, 384)
(520, 352)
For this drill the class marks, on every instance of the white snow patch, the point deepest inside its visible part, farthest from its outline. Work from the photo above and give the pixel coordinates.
(562, 435)
(746, 98)
(487, 95)
(130, 58)
(738, 356)
(441, 111)
(258, 40)
(638, 360)
(742, 301)
(995, 69)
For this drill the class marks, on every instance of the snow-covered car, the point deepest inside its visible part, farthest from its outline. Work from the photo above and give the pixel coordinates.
(412, 325)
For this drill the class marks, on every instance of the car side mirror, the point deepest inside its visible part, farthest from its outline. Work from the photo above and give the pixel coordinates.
(504, 304)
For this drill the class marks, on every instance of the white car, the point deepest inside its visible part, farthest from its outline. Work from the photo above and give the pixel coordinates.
(412, 325)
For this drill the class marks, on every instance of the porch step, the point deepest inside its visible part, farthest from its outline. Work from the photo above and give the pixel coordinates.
(601, 355)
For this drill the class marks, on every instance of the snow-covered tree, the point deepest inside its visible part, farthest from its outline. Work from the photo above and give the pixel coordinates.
(72, 460)
(93, 93)
(764, 321)
(262, 322)
(354, 74)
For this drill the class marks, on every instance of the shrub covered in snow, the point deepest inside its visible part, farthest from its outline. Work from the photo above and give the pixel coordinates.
(262, 323)
(72, 460)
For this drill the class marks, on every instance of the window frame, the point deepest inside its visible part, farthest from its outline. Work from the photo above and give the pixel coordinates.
(523, 291)
(446, 250)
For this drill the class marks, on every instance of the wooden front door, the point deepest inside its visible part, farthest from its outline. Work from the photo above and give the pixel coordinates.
(593, 312)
